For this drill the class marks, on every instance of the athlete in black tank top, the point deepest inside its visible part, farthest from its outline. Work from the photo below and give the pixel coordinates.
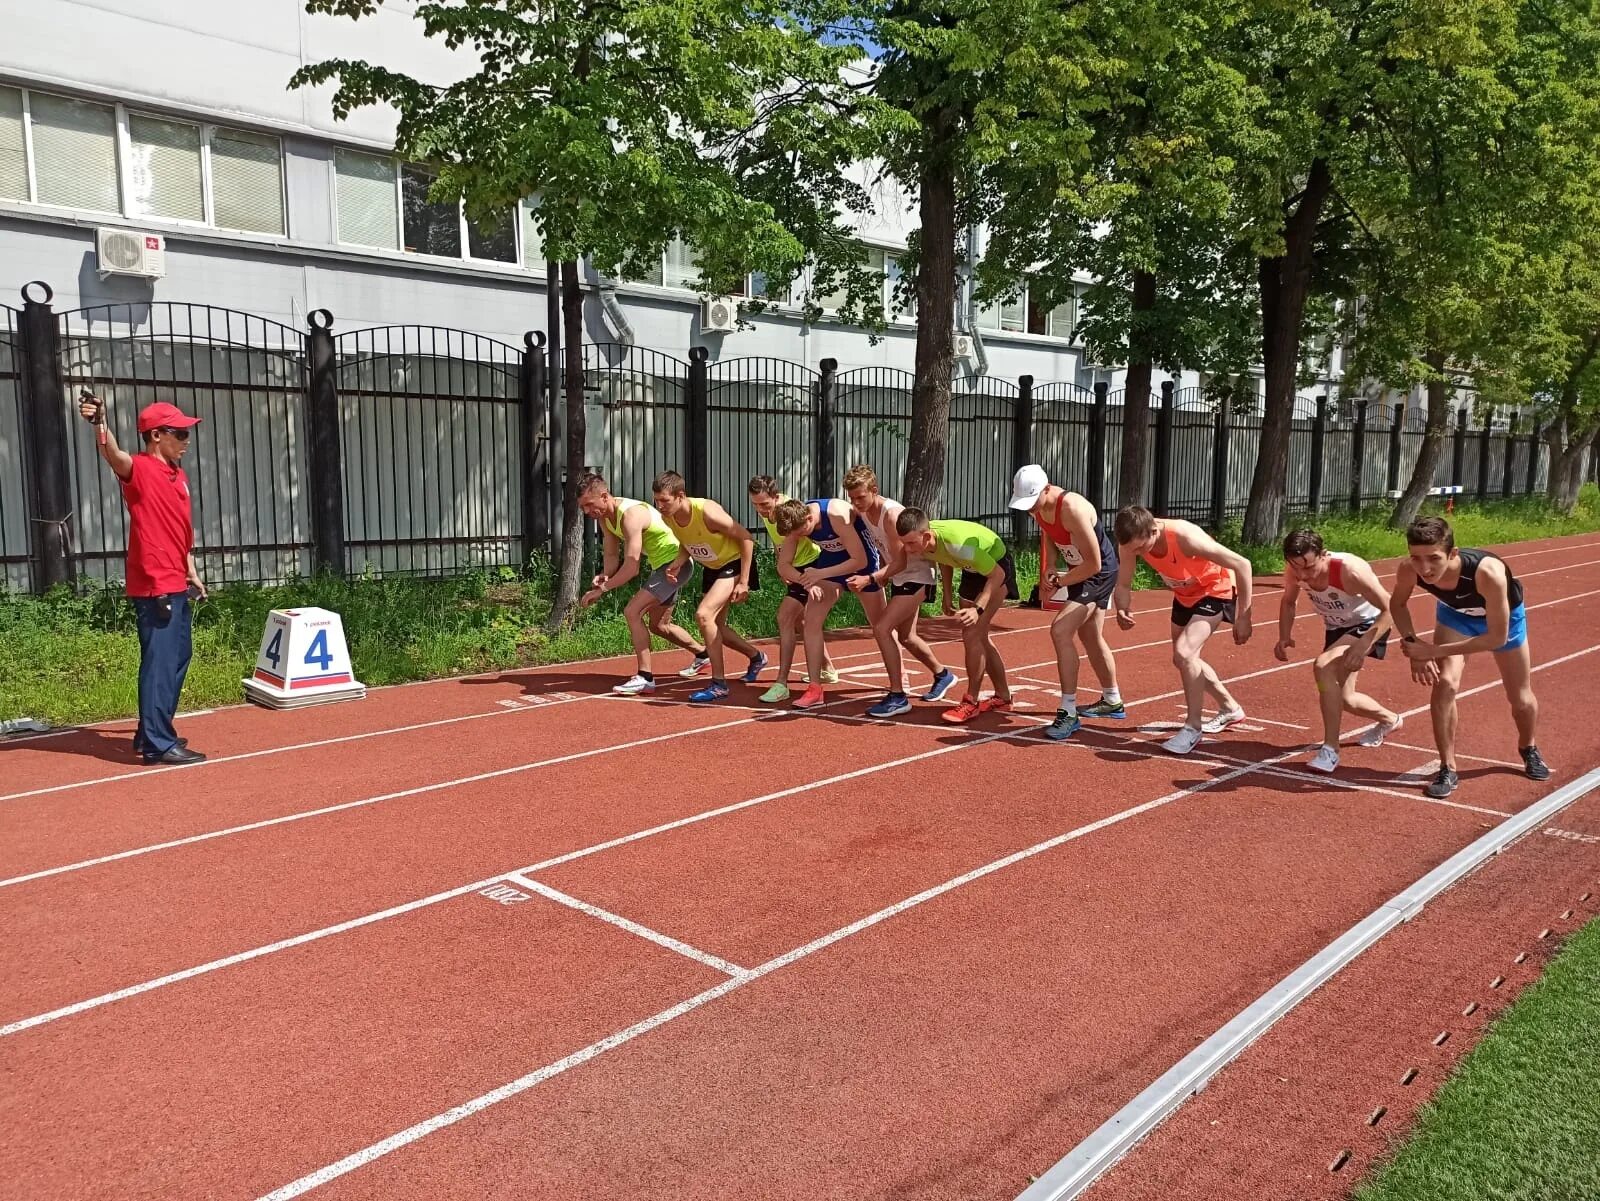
(1465, 597)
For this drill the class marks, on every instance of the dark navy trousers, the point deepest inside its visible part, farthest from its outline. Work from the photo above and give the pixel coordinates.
(165, 645)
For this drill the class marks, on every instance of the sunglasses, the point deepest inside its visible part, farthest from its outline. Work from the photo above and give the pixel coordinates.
(181, 435)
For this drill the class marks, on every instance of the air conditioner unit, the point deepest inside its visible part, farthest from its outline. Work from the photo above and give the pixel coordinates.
(964, 346)
(719, 315)
(129, 252)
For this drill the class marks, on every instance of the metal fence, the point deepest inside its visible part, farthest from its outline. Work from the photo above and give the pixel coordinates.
(423, 450)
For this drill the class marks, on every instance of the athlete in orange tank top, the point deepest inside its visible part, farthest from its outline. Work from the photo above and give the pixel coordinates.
(1210, 584)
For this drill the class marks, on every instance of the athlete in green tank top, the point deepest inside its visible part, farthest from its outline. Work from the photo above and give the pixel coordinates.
(634, 531)
(765, 498)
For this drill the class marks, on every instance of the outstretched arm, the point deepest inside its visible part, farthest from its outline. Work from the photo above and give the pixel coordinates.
(93, 410)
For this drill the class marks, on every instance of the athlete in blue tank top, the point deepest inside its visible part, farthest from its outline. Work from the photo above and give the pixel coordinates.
(843, 551)
(827, 540)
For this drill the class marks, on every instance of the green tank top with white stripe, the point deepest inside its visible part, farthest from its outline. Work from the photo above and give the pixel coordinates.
(660, 545)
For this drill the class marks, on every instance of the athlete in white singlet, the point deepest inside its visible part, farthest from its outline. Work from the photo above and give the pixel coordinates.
(1354, 609)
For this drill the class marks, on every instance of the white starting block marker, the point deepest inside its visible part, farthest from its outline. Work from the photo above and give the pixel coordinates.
(303, 661)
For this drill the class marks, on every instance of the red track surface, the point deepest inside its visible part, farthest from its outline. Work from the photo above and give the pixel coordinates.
(896, 1010)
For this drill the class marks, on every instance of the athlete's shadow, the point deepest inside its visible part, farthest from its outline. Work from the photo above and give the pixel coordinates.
(110, 746)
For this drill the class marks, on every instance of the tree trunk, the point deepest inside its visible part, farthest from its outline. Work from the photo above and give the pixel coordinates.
(1136, 394)
(1285, 283)
(1567, 472)
(936, 300)
(1568, 442)
(1433, 442)
(569, 580)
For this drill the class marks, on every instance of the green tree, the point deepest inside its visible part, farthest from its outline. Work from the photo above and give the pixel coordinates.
(627, 119)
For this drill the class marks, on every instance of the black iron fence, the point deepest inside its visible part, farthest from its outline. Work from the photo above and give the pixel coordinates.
(423, 450)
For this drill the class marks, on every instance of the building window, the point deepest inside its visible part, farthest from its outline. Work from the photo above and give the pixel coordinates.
(1023, 315)
(532, 237)
(101, 158)
(385, 204)
(74, 153)
(892, 275)
(429, 228)
(368, 215)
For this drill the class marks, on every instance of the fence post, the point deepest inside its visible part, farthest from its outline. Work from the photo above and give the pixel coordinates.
(1358, 455)
(1458, 462)
(1319, 432)
(1505, 462)
(1396, 432)
(697, 424)
(1483, 455)
(1161, 486)
(1021, 446)
(1095, 452)
(822, 464)
(1533, 456)
(327, 458)
(1219, 464)
(535, 449)
(46, 444)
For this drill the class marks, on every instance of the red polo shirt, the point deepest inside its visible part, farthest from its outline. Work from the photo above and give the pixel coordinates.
(160, 527)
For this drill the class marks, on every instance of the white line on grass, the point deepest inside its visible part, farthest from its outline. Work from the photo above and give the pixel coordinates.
(522, 1084)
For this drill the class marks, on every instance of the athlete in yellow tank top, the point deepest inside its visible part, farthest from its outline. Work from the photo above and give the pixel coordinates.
(634, 531)
(765, 499)
(706, 535)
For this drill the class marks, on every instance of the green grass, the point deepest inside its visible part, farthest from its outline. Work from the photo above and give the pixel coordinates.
(74, 658)
(1520, 1119)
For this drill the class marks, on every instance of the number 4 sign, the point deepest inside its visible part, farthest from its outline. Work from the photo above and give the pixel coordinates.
(303, 660)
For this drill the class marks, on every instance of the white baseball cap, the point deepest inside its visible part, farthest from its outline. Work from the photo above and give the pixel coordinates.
(1027, 486)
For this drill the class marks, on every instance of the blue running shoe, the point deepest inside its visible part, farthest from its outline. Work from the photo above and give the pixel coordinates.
(714, 691)
(942, 683)
(757, 666)
(1063, 727)
(891, 706)
(1115, 710)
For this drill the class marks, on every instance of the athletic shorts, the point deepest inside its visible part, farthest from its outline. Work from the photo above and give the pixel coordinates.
(972, 582)
(795, 592)
(1095, 591)
(728, 571)
(1380, 648)
(1206, 606)
(1473, 627)
(926, 590)
(840, 579)
(660, 585)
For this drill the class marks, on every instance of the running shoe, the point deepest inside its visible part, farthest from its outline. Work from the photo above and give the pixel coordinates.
(812, 697)
(701, 665)
(1379, 731)
(757, 666)
(1184, 741)
(892, 705)
(830, 675)
(1063, 727)
(942, 683)
(964, 712)
(775, 695)
(1533, 763)
(1223, 720)
(717, 690)
(1325, 760)
(1443, 784)
(635, 686)
(993, 704)
(1104, 708)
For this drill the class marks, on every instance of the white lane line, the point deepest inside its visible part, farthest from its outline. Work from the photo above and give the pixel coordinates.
(522, 1084)
(632, 927)
(449, 894)
(1071, 1175)
(458, 781)
(1426, 750)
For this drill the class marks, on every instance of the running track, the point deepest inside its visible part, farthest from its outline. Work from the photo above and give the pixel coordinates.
(510, 936)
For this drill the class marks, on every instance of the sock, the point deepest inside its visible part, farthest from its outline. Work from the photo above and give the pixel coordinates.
(716, 682)
(1111, 696)
(1069, 706)
(648, 675)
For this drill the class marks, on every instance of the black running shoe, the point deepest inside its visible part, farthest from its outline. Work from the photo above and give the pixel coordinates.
(1104, 708)
(1443, 784)
(1533, 763)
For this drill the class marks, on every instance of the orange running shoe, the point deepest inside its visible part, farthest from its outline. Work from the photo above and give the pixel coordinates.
(964, 712)
(993, 704)
(811, 697)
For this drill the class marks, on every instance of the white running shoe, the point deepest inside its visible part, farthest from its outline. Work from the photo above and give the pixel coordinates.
(701, 664)
(1380, 731)
(1325, 760)
(1184, 741)
(635, 686)
(830, 675)
(1223, 720)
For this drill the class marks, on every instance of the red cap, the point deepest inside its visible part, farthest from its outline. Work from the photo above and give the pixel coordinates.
(162, 415)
